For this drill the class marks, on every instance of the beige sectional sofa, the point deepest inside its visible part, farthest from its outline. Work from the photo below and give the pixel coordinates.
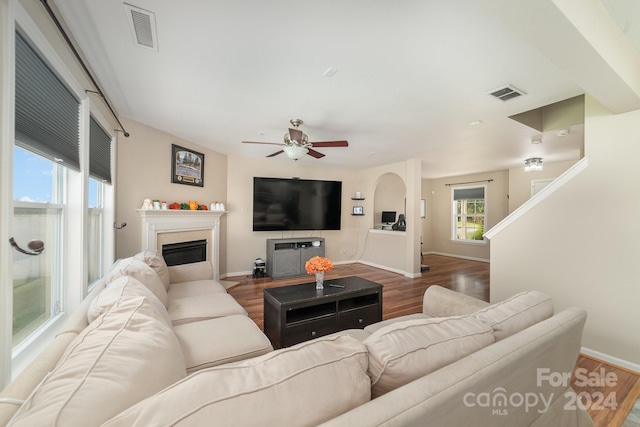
(143, 327)
(136, 355)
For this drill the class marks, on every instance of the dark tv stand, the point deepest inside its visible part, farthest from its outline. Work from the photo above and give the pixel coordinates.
(287, 257)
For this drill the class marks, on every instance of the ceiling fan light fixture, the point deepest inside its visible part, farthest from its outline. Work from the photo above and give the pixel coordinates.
(303, 143)
(296, 143)
(295, 152)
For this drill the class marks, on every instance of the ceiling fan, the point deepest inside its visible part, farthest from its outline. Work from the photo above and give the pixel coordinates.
(296, 143)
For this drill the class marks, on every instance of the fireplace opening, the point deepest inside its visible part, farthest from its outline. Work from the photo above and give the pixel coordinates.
(185, 252)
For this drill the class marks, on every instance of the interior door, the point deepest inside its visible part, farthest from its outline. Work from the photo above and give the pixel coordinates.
(539, 184)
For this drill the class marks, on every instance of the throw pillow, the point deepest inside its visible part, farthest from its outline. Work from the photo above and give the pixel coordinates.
(140, 271)
(123, 357)
(155, 260)
(306, 384)
(120, 290)
(516, 313)
(405, 351)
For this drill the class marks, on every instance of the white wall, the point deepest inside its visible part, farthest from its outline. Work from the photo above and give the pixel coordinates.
(520, 181)
(244, 245)
(144, 168)
(389, 195)
(580, 245)
(345, 245)
(144, 172)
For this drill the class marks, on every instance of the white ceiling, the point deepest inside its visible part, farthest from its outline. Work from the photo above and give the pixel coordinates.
(411, 76)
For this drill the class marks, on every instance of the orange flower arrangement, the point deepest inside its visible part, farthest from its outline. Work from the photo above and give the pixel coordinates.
(318, 263)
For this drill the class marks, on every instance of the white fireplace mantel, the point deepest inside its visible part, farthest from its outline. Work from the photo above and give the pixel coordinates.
(158, 221)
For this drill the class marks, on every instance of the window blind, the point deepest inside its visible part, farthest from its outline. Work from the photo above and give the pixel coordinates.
(46, 112)
(468, 193)
(99, 152)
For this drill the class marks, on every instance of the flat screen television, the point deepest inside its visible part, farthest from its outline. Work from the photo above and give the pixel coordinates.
(296, 204)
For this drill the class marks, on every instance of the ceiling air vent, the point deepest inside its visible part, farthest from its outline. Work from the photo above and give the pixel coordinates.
(506, 93)
(142, 24)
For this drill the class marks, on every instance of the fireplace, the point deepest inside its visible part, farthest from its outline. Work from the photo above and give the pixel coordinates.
(167, 226)
(185, 252)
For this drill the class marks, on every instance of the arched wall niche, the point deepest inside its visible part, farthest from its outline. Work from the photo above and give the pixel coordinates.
(390, 194)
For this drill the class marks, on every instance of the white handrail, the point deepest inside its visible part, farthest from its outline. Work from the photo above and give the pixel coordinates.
(557, 183)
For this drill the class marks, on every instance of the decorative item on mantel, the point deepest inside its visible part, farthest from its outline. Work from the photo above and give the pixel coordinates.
(216, 206)
(191, 205)
(318, 265)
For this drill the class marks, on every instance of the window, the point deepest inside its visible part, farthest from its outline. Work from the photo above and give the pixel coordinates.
(61, 193)
(96, 231)
(38, 215)
(100, 177)
(47, 141)
(47, 112)
(468, 214)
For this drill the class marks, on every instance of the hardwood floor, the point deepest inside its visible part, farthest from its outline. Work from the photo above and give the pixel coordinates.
(604, 398)
(403, 295)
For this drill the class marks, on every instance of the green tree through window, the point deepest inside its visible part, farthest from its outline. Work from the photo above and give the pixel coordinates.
(468, 213)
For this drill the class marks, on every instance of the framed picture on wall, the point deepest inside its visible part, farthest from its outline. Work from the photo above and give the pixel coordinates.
(187, 166)
(358, 210)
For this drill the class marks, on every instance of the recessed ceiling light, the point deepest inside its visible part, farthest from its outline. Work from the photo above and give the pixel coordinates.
(477, 122)
(330, 72)
(536, 140)
(563, 132)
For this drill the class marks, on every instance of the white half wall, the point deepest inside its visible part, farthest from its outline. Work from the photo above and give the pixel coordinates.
(579, 245)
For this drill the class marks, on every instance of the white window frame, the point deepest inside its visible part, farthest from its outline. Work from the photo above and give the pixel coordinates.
(454, 216)
(106, 198)
(71, 237)
(74, 226)
(57, 273)
(97, 211)
(57, 293)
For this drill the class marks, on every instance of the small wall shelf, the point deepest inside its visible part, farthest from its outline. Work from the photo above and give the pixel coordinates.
(358, 210)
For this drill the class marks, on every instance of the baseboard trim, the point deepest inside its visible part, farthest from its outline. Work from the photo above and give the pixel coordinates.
(612, 360)
(250, 272)
(371, 264)
(456, 256)
(384, 267)
(236, 273)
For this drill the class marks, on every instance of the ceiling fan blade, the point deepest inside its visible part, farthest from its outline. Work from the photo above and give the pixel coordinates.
(276, 153)
(314, 153)
(268, 143)
(295, 135)
(330, 144)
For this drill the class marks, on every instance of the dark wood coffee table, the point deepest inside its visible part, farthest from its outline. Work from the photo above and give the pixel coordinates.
(296, 313)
